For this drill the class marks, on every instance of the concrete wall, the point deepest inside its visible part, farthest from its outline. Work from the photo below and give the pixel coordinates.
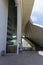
(3, 25)
(33, 31)
(27, 6)
(37, 34)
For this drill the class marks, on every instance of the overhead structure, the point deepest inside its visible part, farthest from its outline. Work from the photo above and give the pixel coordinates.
(27, 6)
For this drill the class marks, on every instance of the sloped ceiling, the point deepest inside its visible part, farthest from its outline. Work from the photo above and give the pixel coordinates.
(27, 6)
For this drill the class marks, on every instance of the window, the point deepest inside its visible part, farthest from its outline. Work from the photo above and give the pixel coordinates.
(37, 13)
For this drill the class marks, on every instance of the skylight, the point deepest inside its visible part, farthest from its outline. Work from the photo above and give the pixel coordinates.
(37, 12)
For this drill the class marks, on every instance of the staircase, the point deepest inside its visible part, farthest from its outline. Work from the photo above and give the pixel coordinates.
(12, 23)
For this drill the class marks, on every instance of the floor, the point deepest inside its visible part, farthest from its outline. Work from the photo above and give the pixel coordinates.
(24, 58)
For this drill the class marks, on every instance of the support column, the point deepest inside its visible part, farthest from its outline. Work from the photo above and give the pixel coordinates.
(3, 25)
(19, 23)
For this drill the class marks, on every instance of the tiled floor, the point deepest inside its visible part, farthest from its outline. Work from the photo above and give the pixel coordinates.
(24, 58)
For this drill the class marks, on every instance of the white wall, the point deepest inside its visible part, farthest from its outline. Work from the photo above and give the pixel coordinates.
(3, 25)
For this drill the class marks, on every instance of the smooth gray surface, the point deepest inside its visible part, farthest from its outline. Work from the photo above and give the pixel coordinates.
(24, 58)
